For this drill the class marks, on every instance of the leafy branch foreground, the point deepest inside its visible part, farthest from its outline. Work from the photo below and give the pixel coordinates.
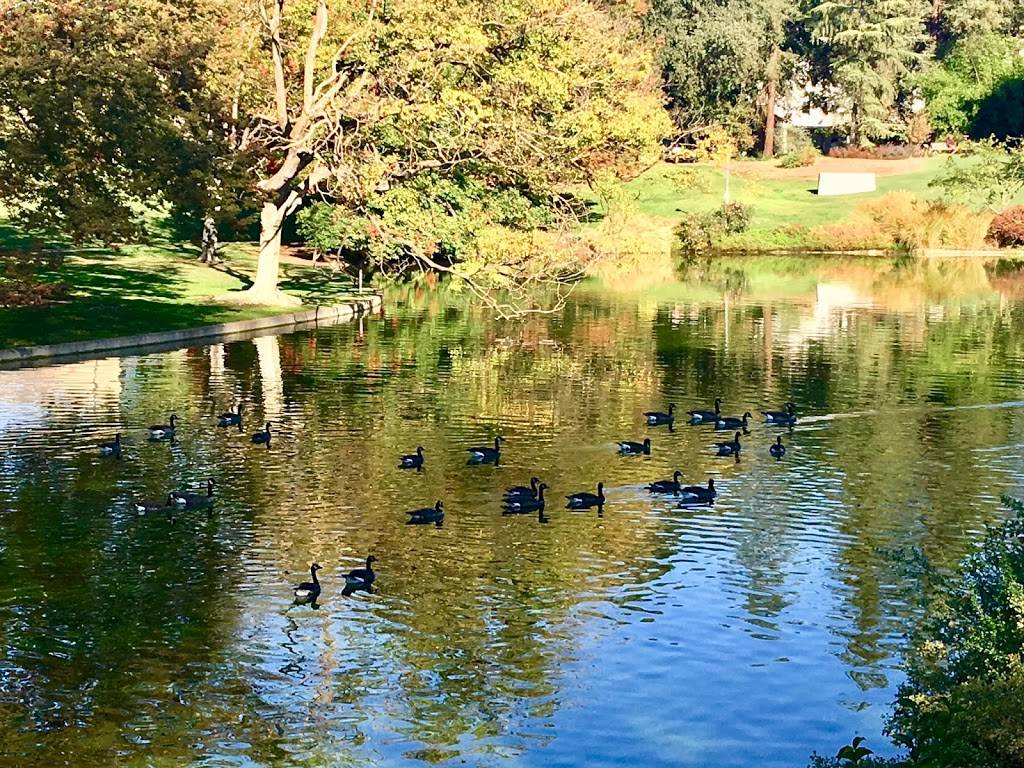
(962, 703)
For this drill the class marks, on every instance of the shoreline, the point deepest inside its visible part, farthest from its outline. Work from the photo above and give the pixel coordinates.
(309, 317)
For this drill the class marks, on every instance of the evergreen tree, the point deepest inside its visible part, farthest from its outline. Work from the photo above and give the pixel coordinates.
(872, 47)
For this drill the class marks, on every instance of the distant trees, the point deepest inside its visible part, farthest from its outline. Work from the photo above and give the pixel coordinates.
(429, 125)
(724, 62)
(872, 47)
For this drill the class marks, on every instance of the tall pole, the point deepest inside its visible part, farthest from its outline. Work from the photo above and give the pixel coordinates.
(727, 195)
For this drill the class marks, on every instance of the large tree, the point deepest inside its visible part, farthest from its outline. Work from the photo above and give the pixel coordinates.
(356, 99)
(722, 61)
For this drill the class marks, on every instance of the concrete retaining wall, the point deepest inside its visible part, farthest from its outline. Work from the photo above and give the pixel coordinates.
(10, 358)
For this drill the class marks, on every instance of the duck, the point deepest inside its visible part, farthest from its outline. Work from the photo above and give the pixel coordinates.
(164, 431)
(655, 418)
(666, 486)
(731, 422)
(732, 448)
(230, 419)
(778, 450)
(522, 491)
(309, 591)
(585, 499)
(702, 417)
(186, 500)
(486, 455)
(262, 438)
(412, 460)
(361, 578)
(630, 448)
(787, 416)
(527, 504)
(144, 507)
(698, 494)
(434, 514)
(113, 448)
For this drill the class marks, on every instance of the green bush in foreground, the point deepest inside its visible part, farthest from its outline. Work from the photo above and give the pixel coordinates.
(963, 702)
(962, 705)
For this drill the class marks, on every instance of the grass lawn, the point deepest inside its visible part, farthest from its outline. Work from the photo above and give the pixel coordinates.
(784, 203)
(666, 192)
(147, 288)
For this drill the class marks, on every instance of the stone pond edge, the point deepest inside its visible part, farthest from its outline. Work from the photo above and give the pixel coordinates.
(332, 313)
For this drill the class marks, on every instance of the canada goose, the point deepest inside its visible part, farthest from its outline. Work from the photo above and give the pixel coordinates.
(112, 448)
(144, 507)
(361, 578)
(522, 491)
(731, 422)
(484, 454)
(434, 514)
(230, 419)
(262, 438)
(659, 417)
(666, 486)
(585, 499)
(786, 417)
(412, 460)
(778, 450)
(630, 448)
(309, 591)
(164, 431)
(732, 448)
(701, 417)
(526, 504)
(698, 494)
(186, 500)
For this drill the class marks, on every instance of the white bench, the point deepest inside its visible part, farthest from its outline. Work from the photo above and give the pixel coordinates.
(830, 183)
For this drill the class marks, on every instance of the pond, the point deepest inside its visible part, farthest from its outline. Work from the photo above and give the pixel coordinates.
(753, 631)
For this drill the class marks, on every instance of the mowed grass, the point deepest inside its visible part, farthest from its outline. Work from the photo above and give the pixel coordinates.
(668, 191)
(148, 288)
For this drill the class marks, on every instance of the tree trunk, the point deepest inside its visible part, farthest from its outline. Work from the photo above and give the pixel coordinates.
(264, 288)
(769, 118)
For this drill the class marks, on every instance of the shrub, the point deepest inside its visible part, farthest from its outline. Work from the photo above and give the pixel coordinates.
(20, 285)
(792, 138)
(900, 220)
(734, 218)
(1007, 229)
(878, 152)
(799, 159)
(853, 755)
(961, 704)
(919, 129)
(698, 232)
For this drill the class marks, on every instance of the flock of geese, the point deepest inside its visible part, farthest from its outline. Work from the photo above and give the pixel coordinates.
(517, 499)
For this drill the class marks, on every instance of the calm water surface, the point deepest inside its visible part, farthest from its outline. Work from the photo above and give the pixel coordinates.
(751, 632)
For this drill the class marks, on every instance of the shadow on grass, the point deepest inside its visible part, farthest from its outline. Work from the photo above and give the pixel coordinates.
(97, 318)
(316, 286)
(99, 280)
(242, 277)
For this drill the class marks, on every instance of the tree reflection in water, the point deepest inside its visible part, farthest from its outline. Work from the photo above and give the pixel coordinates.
(768, 623)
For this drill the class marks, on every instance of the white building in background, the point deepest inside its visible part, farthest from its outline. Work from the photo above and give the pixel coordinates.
(800, 109)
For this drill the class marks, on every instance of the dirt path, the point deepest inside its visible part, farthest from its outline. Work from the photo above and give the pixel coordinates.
(770, 170)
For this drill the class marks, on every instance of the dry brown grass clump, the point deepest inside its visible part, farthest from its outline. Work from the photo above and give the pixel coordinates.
(901, 220)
